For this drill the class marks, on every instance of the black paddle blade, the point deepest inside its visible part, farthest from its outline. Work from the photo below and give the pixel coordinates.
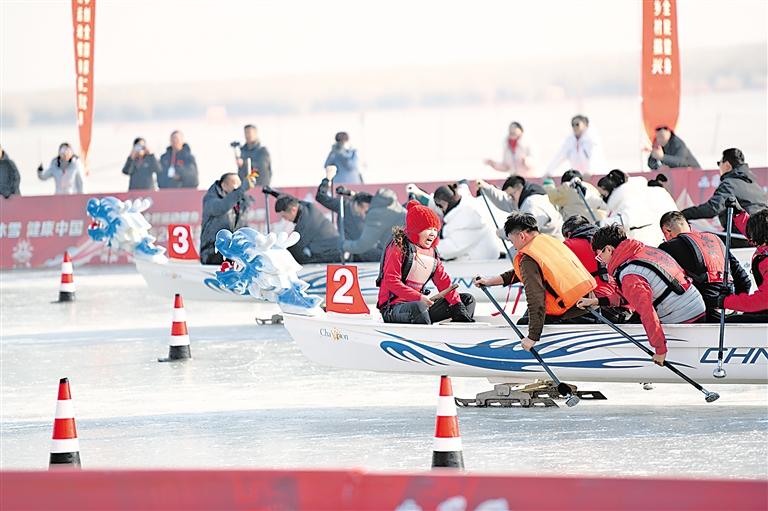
(564, 389)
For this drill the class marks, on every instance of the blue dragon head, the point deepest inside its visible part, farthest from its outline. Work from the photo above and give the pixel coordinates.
(105, 215)
(262, 266)
(122, 225)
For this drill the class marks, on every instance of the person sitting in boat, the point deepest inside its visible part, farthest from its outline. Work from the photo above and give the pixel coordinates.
(319, 241)
(409, 262)
(754, 306)
(569, 202)
(702, 257)
(385, 213)
(578, 232)
(553, 277)
(224, 207)
(467, 234)
(650, 281)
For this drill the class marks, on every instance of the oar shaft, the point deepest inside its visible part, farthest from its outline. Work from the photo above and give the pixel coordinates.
(584, 200)
(545, 366)
(502, 312)
(727, 266)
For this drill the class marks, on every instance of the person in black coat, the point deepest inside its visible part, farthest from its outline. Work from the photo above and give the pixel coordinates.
(9, 176)
(142, 166)
(319, 241)
(669, 150)
(178, 165)
(224, 207)
(261, 162)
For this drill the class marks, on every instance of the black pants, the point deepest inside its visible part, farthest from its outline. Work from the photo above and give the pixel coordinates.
(616, 315)
(748, 317)
(418, 314)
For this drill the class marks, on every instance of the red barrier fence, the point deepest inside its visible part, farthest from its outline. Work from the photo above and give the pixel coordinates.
(35, 231)
(359, 491)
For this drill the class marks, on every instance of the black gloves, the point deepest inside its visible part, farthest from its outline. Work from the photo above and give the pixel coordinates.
(460, 314)
(576, 184)
(726, 290)
(732, 202)
(40, 168)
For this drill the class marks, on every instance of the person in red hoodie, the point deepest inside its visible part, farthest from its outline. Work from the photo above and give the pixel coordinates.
(650, 281)
(409, 262)
(755, 305)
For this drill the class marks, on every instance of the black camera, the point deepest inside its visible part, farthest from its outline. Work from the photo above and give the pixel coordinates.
(340, 190)
(269, 191)
(235, 144)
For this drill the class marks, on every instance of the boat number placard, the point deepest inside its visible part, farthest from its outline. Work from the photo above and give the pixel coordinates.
(180, 242)
(342, 291)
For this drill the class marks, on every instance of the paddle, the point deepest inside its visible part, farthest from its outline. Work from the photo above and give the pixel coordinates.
(577, 185)
(719, 372)
(709, 397)
(564, 389)
(443, 293)
(490, 211)
(341, 226)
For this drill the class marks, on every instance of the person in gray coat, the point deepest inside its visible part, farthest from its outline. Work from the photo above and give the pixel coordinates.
(9, 176)
(224, 207)
(319, 241)
(142, 166)
(384, 214)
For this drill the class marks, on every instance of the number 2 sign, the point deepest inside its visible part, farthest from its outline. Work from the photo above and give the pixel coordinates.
(180, 242)
(342, 291)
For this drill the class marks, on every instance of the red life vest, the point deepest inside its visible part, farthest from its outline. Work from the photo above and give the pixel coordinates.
(761, 253)
(710, 254)
(663, 265)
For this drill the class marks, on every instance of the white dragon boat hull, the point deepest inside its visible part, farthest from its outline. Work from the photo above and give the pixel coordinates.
(488, 349)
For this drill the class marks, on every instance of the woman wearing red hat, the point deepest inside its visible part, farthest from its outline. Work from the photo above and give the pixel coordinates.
(409, 262)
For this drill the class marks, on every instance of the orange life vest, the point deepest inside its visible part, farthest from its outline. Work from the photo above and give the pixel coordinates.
(710, 253)
(565, 278)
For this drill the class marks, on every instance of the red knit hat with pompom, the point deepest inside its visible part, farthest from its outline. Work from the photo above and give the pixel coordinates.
(419, 218)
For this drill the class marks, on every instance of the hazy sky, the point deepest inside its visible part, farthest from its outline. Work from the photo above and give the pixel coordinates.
(141, 41)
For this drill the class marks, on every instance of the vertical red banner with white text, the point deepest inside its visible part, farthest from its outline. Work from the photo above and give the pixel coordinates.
(660, 83)
(83, 25)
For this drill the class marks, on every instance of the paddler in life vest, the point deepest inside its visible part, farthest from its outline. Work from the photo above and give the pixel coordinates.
(553, 277)
(650, 281)
(409, 262)
(702, 256)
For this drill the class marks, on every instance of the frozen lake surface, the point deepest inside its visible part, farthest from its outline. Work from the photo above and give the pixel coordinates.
(249, 399)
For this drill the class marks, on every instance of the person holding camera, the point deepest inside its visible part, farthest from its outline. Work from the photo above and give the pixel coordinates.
(142, 166)
(66, 170)
(178, 165)
(261, 164)
(344, 158)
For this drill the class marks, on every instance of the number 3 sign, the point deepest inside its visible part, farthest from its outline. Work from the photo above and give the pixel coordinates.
(342, 291)
(180, 242)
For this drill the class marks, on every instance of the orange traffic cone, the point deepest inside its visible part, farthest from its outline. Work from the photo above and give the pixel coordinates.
(179, 346)
(447, 450)
(67, 286)
(65, 449)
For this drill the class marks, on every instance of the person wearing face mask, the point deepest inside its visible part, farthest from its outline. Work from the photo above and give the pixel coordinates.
(581, 149)
(516, 160)
(66, 170)
(178, 165)
(344, 158)
(224, 207)
(142, 166)
(410, 261)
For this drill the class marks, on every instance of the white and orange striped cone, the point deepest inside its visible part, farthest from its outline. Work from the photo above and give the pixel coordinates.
(179, 346)
(65, 449)
(447, 450)
(67, 286)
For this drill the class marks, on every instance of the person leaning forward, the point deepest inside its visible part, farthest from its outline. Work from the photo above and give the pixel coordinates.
(553, 277)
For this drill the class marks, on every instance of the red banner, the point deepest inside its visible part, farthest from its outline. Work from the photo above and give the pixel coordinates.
(84, 24)
(660, 83)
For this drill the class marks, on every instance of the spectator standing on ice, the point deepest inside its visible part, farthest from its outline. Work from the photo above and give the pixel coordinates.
(261, 162)
(142, 166)
(178, 168)
(516, 154)
(669, 150)
(66, 170)
(9, 176)
(581, 149)
(224, 207)
(345, 159)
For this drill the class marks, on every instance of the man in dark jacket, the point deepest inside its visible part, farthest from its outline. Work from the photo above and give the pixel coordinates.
(319, 242)
(9, 176)
(384, 214)
(736, 180)
(142, 166)
(178, 165)
(261, 163)
(669, 150)
(702, 257)
(224, 207)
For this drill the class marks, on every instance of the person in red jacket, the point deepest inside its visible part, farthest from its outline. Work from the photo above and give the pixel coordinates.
(755, 305)
(409, 262)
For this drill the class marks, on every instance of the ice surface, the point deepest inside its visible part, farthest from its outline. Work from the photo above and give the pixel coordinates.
(249, 398)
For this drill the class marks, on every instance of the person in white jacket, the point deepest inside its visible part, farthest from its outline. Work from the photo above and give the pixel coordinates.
(635, 206)
(581, 149)
(66, 170)
(467, 234)
(517, 195)
(516, 154)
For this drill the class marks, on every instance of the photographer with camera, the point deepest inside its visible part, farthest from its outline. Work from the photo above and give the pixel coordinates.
(142, 166)
(261, 163)
(224, 207)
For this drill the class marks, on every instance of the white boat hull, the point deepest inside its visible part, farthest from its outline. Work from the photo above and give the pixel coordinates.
(575, 352)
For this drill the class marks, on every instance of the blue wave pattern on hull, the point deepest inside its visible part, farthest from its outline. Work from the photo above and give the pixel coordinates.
(500, 354)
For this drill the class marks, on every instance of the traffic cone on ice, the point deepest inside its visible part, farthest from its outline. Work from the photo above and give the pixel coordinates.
(65, 449)
(447, 450)
(179, 347)
(67, 286)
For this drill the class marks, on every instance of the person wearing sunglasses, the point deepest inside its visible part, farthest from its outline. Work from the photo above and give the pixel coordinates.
(581, 149)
